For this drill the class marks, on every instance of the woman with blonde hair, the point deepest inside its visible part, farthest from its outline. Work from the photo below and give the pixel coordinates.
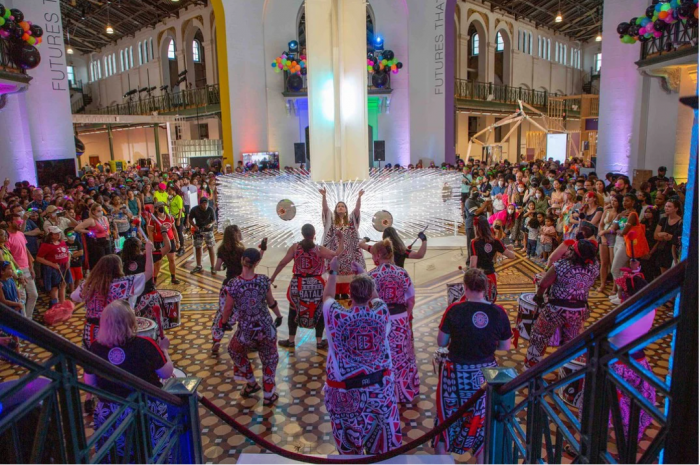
(348, 223)
(395, 288)
(119, 344)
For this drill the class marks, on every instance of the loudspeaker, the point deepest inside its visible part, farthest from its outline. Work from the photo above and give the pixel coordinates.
(379, 150)
(299, 152)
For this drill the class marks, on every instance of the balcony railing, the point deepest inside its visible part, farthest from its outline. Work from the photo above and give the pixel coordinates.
(165, 103)
(42, 419)
(490, 92)
(677, 37)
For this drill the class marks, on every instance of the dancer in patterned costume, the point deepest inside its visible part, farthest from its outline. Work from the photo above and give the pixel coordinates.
(568, 281)
(248, 298)
(395, 288)
(472, 330)
(305, 290)
(229, 257)
(631, 282)
(360, 395)
(348, 224)
(484, 249)
(119, 344)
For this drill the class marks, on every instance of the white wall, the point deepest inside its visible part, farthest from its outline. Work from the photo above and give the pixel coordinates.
(129, 145)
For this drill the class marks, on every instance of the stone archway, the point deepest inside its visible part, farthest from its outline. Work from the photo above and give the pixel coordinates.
(168, 66)
(477, 40)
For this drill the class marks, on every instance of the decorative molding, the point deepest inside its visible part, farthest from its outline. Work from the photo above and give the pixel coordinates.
(669, 78)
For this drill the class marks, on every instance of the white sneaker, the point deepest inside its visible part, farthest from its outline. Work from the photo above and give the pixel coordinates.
(616, 301)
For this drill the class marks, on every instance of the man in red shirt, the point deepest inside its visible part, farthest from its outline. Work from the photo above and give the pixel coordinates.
(54, 255)
(17, 244)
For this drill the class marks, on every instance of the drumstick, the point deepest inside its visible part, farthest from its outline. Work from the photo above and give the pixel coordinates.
(416, 239)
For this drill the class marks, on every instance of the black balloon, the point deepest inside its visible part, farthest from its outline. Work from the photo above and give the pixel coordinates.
(19, 16)
(650, 11)
(376, 67)
(25, 56)
(36, 30)
(2, 10)
(379, 80)
(633, 30)
(303, 71)
(9, 25)
(633, 20)
(622, 28)
(692, 21)
(370, 56)
(295, 83)
(388, 55)
(685, 10)
(17, 31)
(399, 65)
(660, 25)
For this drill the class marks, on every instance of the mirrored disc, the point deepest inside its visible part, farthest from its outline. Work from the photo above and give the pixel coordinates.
(286, 209)
(382, 220)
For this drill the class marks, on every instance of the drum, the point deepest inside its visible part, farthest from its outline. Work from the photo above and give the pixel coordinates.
(171, 300)
(146, 328)
(570, 393)
(455, 292)
(527, 309)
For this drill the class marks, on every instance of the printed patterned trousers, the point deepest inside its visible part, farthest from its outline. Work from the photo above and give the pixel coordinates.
(267, 350)
(569, 320)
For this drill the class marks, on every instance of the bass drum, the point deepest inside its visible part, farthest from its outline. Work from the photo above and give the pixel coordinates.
(527, 309)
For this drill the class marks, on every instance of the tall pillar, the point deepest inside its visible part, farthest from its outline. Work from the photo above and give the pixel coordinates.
(620, 89)
(336, 44)
(48, 97)
(16, 151)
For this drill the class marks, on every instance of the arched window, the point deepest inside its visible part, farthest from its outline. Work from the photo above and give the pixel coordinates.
(549, 49)
(131, 57)
(196, 47)
(140, 53)
(475, 44)
(150, 41)
(500, 45)
(171, 50)
(145, 51)
(121, 61)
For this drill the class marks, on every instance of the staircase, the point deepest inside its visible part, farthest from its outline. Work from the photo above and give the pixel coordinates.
(42, 418)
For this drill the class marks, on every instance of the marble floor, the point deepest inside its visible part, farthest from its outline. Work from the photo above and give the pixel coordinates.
(299, 421)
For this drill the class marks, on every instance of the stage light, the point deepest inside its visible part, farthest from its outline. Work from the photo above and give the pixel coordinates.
(599, 37)
(293, 45)
(378, 42)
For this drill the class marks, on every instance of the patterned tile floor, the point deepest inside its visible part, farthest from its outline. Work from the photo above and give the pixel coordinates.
(299, 421)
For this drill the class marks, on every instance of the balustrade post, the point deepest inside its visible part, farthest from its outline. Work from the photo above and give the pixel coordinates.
(498, 444)
(191, 436)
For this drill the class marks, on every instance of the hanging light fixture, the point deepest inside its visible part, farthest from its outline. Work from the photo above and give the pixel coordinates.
(599, 37)
(69, 49)
(559, 17)
(109, 29)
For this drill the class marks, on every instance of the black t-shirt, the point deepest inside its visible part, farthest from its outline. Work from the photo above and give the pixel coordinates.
(676, 230)
(233, 264)
(475, 330)
(140, 356)
(470, 206)
(75, 246)
(203, 219)
(485, 253)
(139, 266)
(400, 258)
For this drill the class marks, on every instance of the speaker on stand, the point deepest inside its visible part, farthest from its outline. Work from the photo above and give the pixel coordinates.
(379, 155)
(299, 152)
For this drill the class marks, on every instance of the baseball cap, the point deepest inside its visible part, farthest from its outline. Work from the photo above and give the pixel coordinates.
(51, 208)
(55, 230)
(662, 168)
(203, 200)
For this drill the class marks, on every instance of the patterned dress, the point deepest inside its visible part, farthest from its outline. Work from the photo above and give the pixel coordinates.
(351, 240)
(394, 287)
(364, 419)
(126, 288)
(305, 292)
(566, 308)
(256, 329)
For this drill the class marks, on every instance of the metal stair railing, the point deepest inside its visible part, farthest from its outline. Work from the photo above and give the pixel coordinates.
(41, 413)
(540, 426)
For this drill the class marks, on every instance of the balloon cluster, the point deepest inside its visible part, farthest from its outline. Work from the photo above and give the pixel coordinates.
(380, 65)
(23, 36)
(290, 63)
(658, 16)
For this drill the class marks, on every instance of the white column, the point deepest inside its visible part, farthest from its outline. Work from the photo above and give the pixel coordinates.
(336, 44)
(48, 97)
(16, 151)
(352, 67)
(620, 88)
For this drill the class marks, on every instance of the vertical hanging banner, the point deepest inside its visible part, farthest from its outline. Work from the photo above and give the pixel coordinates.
(431, 67)
(48, 97)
